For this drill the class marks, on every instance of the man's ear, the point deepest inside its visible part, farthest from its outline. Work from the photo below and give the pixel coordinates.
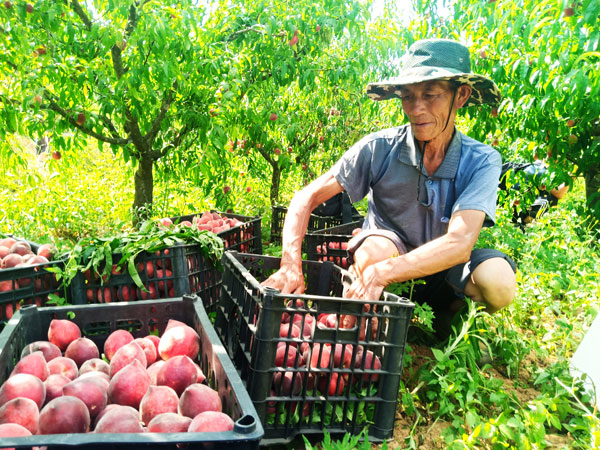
(462, 95)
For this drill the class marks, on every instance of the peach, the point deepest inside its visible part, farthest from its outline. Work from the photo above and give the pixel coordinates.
(115, 341)
(155, 340)
(369, 361)
(7, 242)
(49, 350)
(46, 250)
(12, 260)
(92, 392)
(37, 259)
(13, 430)
(211, 421)
(82, 349)
(198, 398)
(287, 357)
(22, 411)
(153, 370)
(287, 383)
(149, 349)
(34, 364)
(335, 387)
(23, 385)
(4, 252)
(20, 248)
(179, 340)
(125, 410)
(120, 419)
(54, 385)
(169, 423)
(99, 377)
(129, 385)
(178, 373)
(63, 415)
(126, 355)
(62, 332)
(157, 400)
(342, 355)
(287, 331)
(65, 366)
(320, 357)
(95, 365)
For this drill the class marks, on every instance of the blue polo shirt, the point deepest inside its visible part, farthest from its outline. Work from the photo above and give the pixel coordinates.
(384, 166)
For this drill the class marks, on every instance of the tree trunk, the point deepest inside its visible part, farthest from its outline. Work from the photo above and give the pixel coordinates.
(275, 181)
(592, 191)
(144, 185)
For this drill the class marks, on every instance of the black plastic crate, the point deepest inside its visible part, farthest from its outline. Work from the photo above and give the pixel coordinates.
(172, 272)
(245, 237)
(315, 222)
(27, 285)
(313, 400)
(331, 244)
(141, 318)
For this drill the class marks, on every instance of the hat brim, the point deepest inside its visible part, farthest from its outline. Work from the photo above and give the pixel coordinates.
(483, 89)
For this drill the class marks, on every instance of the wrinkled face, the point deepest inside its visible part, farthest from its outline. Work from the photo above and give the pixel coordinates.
(427, 106)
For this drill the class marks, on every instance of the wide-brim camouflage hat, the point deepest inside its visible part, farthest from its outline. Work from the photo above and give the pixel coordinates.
(437, 59)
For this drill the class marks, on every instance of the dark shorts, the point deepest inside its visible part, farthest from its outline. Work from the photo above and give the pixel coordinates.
(442, 288)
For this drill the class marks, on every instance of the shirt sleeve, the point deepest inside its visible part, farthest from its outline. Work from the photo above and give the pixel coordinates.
(354, 169)
(481, 188)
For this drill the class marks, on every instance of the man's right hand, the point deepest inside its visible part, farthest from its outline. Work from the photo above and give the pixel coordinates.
(287, 280)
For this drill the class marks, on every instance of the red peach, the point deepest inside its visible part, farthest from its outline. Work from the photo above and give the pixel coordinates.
(126, 355)
(34, 364)
(126, 411)
(54, 385)
(46, 250)
(23, 385)
(115, 341)
(22, 411)
(82, 349)
(64, 415)
(286, 358)
(94, 365)
(178, 373)
(149, 350)
(153, 370)
(155, 340)
(49, 350)
(62, 332)
(11, 261)
(157, 400)
(64, 366)
(335, 387)
(179, 340)
(129, 385)
(8, 430)
(92, 392)
(198, 398)
(287, 383)
(169, 422)
(211, 421)
(21, 248)
(120, 419)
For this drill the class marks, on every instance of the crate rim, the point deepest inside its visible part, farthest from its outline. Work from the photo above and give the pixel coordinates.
(267, 290)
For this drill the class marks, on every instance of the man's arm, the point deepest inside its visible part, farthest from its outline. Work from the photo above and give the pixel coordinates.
(289, 278)
(448, 250)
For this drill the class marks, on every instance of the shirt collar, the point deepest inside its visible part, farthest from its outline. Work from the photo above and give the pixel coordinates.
(410, 155)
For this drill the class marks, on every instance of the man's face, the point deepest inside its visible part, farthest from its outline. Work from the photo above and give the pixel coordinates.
(427, 106)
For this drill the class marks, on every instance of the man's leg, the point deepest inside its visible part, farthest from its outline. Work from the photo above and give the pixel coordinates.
(489, 277)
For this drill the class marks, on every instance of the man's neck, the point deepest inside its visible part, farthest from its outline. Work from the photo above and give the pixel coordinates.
(435, 150)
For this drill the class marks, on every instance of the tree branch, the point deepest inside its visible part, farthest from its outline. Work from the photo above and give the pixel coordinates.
(156, 154)
(81, 13)
(69, 117)
(164, 108)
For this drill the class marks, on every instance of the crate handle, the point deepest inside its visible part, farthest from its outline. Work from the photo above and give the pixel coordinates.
(245, 424)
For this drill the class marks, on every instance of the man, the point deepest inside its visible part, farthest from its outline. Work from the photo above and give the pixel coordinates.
(544, 198)
(429, 190)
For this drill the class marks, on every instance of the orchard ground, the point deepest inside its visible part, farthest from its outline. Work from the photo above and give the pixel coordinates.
(525, 397)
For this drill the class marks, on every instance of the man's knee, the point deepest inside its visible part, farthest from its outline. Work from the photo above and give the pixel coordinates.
(373, 250)
(493, 282)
